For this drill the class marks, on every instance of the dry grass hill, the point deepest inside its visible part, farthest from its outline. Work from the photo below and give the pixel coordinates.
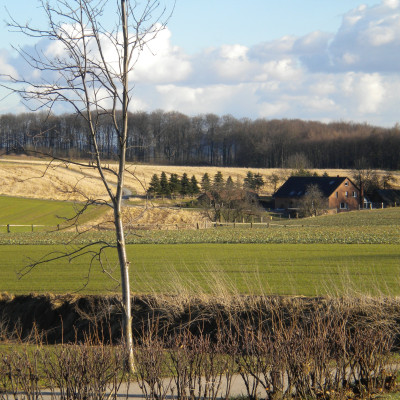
(35, 178)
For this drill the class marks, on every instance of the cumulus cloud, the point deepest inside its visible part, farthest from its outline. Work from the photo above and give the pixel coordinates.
(238, 99)
(367, 89)
(368, 39)
(351, 74)
(161, 62)
(6, 69)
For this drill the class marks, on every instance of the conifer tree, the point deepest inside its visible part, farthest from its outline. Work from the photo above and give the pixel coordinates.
(218, 182)
(164, 184)
(174, 184)
(258, 182)
(229, 183)
(253, 181)
(194, 186)
(154, 186)
(249, 180)
(205, 183)
(185, 185)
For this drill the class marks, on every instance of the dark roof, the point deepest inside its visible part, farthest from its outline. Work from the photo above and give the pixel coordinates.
(296, 186)
(387, 196)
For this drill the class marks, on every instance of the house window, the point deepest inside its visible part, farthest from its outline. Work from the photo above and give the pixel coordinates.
(346, 194)
(346, 184)
(343, 206)
(354, 194)
(337, 194)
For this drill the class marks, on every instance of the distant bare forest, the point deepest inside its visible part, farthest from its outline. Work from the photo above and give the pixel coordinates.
(173, 138)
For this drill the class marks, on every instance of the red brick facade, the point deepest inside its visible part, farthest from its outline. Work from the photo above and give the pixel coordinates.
(345, 198)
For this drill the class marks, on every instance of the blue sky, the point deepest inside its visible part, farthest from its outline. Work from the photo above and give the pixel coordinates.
(198, 24)
(324, 60)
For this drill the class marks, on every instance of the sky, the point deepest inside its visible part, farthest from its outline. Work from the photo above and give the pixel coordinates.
(325, 60)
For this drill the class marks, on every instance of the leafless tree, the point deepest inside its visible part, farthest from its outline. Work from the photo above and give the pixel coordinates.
(312, 203)
(228, 204)
(88, 68)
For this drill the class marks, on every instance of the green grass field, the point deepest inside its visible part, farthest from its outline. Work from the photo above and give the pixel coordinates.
(357, 252)
(358, 227)
(43, 214)
(287, 269)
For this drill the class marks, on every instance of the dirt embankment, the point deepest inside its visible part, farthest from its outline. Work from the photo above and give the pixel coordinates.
(71, 318)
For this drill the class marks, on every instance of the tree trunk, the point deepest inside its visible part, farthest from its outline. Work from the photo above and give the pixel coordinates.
(123, 261)
(126, 292)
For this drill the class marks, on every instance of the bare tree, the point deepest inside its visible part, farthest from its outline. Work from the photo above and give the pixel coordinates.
(88, 68)
(312, 203)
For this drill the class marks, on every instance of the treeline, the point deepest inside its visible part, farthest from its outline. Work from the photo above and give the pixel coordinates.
(177, 139)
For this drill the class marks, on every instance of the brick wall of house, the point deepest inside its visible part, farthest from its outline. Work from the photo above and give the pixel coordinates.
(346, 197)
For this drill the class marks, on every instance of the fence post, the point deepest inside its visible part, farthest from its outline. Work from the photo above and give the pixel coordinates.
(8, 228)
(32, 227)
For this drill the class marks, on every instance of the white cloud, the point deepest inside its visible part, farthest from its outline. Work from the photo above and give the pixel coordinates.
(323, 85)
(234, 52)
(368, 39)
(370, 92)
(6, 69)
(349, 58)
(391, 3)
(232, 63)
(313, 42)
(269, 110)
(283, 70)
(160, 62)
(274, 49)
(213, 98)
(319, 104)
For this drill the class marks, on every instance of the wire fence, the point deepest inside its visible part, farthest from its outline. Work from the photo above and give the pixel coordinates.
(13, 228)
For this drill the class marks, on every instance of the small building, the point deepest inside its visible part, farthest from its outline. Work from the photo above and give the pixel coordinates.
(382, 198)
(339, 193)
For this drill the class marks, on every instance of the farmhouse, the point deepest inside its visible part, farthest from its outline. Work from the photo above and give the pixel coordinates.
(339, 193)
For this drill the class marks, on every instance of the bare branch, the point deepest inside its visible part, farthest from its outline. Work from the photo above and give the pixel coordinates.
(56, 256)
